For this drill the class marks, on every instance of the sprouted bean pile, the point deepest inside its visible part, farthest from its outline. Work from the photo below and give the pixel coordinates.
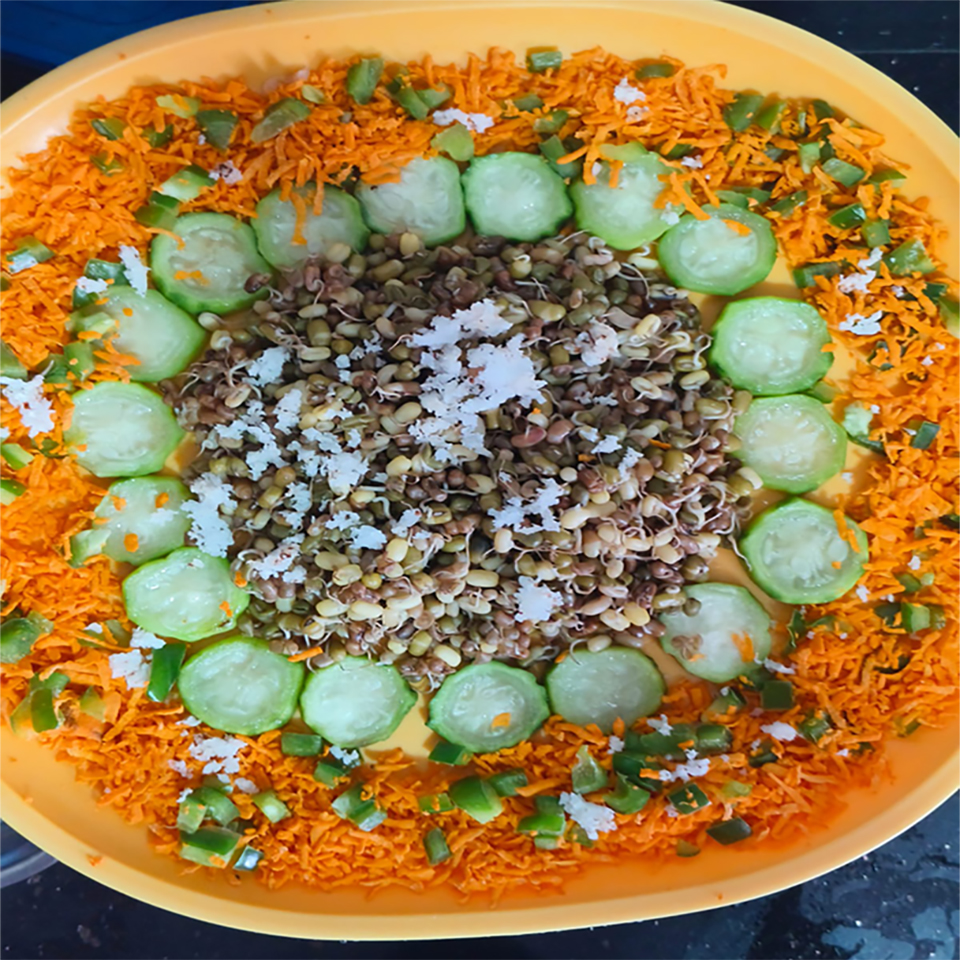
(569, 520)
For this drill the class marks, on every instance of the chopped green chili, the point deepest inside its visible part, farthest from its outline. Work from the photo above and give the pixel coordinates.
(455, 141)
(528, 102)
(679, 150)
(876, 233)
(271, 806)
(553, 123)
(806, 275)
(725, 704)
(630, 764)
(713, 738)
(42, 714)
(776, 695)
(209, 846)
(539, 61)
(191, 813)
(587, 774)
(217, 126)
(19, 634)
(435, 803)
(4, 282)
(915, 617)
(56, 683)
(910, 257)
(28, 253)
(280, 115)
(179, 105)
(821, 109)
(450, 753)
(846, 173)
(576, 834)
(110, 127)
(796, 630)
(362, 813)
(813, 727)
(506, 782)
(739, 114)
(773, 152)
(553, 148)
(626, 797)
(809, 156)
(688, 799)
(881, 176)
(730, 831)
(925, 435)
(737, 195)
(161, 211)
(248, 859)
(548, 821)
(158, 138)
(164, 670)
(300, 744)
(733, 789)
(686, 849)
(435, 844)
(655, 69)
(91, 703)
(909, 582)
(330, 771)
(362, 79)
(770, 116)
(10, 366)
(764, 755)
(312, 94)
(187, 184)
(10, 490)
(888, 613)
(106, 165)
(219, 806)
(408, 98)
(546, 843)
(848, 217)
(476, 798)
(950, 313)
(788, 204)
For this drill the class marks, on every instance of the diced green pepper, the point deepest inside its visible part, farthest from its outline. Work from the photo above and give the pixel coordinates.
(91, 703)
(455, 141)
(217, 126)
(10, 366)
(587, 774)
(362, 813)
(28, 253)
(713, 738)
(734, 790)
(311, 94)
(725, 704)
(679, 150)
(209, 846)
(950, 312)
(688, 799)
(435, 803)
(882, 176)
(553, 148)
(631, 765)
(408, 99)
(300, 744)
(10, 490)
(770, 116)
(915, 617)
(272, 807)
(528, 103)
(15, 456)
(808, 155)
(846, 173)
(433, 97)
(764, 755)
(330, 771)
(42, 714)
(626, 797)
(741, 112)
(277, 117)
(191, 813)
(806, 275)
(106, 165)
(776, 695)
(730, 831)
(164, 670)
(506, 782)
(552, 123)
(813, 727)
(219, 806)
(435, 844)
(846, 218)
(876, 233)
(925, 435)
(655, 69)
(56, 683)
(548, 821)
(450, 753)
(179, 105)
(540, 61)
(476, 798)
(686, 849)
(19, 634)
(161, 211)
(910, 257)
(248, 859)
(188, 184)
(158, 138)
(110, 127)
(821, 109)
(788, 204)
(362, 79)
(79, 360)
(576, 834)
(741, 196)
(4, 282)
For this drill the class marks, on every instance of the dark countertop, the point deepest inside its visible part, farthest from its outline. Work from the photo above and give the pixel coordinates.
(898, 903)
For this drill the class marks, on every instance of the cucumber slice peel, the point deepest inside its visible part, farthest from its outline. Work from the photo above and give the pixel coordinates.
(187, 595)
(601, 687)
(771, 345)
(791, 442)
(709, 649)
(488, 706)
(240, 686)
(356, 702)
(792, 547)
(125, 430)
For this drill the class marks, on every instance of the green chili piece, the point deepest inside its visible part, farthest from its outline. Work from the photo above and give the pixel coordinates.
(587, 774)
(362, 79)
(846, 173)
(925, 435)
(79, 359)
(554, 148)
(910, 257)
(15, 456)
(248, 859)
(10, 366)
(219, 806)
(28, 253)
(737, 195)
(91, 703)
(450, 753)
(826, 149)
(4, 282)
(455, 141)
(576, 834)
(158, 138)
(408, 99)
(821, 109)
(552, 123)
(161, 212)
(655, 69)
(300, 744)
(540, 61)
(528, 103)
(730, 831)
(280, 115)
(18, 635)
(546, 843)
(882, 176)
(808, 155)
(106, 165)
(770, 116)
(725, 704)
(191, 813)
(888, 613)
(734, 790)
(737, 199)
(741, 112)
(56, 683)
(548, 821)
(110, 127)
(476, 798)
(763, 756)
(788, 204)
(217, 126)
(42, 714)
(164, 670)
(626, 797)
(10, 490)
(187, 184)
(909, 582)
(330, 771)
(876, 233)
(434, 97)
(950, 313)
(915, 617)
(806, 275)
(311, 94)
(209, 846)
(271, 806)
(631, 763)
(713, 738)
(435, 803)
(506, 782)
(796, 630)
(679, 150)
(776, 695)
(686, 849)
(435, 844)
(823, 392)
(671, 745)
(688, 799)
(848, 217)
(179, 105)
(363, 814)
(813, 727)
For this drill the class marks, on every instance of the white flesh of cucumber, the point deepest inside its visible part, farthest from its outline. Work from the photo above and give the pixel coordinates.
(356, 702)
(601, 687)
(239, 686)
(427, 201)
(725, 610)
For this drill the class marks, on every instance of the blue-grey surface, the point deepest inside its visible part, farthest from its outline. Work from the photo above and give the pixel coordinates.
(898, 903)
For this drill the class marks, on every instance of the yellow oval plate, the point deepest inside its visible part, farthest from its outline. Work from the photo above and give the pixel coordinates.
(39, 796)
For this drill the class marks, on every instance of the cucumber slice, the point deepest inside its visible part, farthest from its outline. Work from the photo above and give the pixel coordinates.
(150, 328)
(208, 272)
(792, 442)
(488, 706)
(240, 686)
(515, 195)
(771, 345)
(707, 256)
(792, 548)
(125, 430)
(356, 702)
(143, 513)
(601, 687)
(428, 201)
(186, 595)
(340, 222)
(707, 648)
(624, 217)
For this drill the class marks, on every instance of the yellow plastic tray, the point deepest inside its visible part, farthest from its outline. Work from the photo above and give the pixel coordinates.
(39, 796)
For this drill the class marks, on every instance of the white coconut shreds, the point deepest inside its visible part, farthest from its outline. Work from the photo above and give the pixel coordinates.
(367, 538)
(91, 285)
(189, 721)
(217, 754)
(608, 444)
(348, 757)
(287, 410)
(535, 602)
(862, 326)
(227, 173)
(780, 731)
(625, 92)
(914, 563)
(342, 519)
(530, 516)
(405, 521)
(630, 459)
(597, 344)
(208, 530)
(661, 726)
(775, 667)
(635, 113)
(145, 640)
(475, 122)
(245, 786)
(693, 163)
(131, 666)
(179, 766)
(279, 560)
(863, 594)
(268, 367)
(134, 269)
(36, 411)
(614, 745)
(686, 771)
(594, 818)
